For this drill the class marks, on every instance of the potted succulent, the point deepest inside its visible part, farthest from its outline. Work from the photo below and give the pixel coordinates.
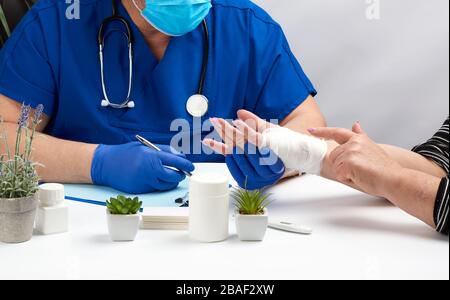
(19, 181)
(123, 218)
(251, 214)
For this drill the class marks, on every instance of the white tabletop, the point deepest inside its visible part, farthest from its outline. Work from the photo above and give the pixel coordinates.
(355, 237)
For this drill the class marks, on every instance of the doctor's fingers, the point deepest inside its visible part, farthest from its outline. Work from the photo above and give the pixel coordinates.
(171, 176)
(236, 172)
(166, 186)
(254, 121)
(218, 147)
(243, 163)
(244, 175)
(340, 135)
(171, 150)
(264, 167)
(172, 160)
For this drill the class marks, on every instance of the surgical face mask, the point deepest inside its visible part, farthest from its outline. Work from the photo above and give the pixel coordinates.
(175, 17)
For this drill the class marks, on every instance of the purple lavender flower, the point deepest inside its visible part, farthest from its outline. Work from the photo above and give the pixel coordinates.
(38, 113)
(24, 116)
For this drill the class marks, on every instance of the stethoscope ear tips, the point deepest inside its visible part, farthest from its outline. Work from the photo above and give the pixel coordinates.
(105, 103)
(129, 104)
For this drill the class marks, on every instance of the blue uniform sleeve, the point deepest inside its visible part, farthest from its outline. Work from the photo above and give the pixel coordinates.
(26, 75)
(277, 83)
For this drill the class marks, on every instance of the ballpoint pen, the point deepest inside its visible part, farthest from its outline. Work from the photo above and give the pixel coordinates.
(154, 147)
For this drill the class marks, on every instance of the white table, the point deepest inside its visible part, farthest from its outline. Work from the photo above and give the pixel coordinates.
(355, 237)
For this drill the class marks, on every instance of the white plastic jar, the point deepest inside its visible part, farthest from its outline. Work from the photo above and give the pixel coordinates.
(53, 214)
(209, 195)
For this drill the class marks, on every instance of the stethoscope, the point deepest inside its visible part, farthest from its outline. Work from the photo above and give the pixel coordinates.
(197, 105)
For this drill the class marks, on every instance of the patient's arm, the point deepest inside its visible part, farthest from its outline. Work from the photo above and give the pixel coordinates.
(361, 163)
(414, 161)
(64, 161)
(406, 158)
(414, 192)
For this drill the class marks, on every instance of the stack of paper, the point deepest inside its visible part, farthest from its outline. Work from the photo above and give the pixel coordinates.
(168, 218)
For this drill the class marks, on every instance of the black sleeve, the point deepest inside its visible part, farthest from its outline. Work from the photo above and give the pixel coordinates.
(441, 207)
(436, 149)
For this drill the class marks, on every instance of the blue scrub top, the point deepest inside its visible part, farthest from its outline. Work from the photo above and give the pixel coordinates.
(53, 60)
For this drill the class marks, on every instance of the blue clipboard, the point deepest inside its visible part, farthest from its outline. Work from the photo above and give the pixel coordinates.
(98, 195)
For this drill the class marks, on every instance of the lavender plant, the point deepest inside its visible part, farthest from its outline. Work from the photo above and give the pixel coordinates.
(18, 176)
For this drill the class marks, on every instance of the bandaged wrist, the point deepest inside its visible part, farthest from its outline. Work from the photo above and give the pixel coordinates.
(297, 151)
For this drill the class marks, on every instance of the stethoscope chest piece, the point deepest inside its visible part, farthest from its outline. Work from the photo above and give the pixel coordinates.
(197, 105)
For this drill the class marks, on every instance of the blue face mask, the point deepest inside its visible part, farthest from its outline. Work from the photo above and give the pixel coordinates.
(175, 17)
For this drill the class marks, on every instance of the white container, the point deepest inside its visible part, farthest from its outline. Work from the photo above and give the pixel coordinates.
(123, 228)
(209, 207)
(252, 227)
(53, 213)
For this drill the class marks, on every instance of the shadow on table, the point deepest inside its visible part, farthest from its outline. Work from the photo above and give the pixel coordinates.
(184, 239)
(356, 223)
(349, 201)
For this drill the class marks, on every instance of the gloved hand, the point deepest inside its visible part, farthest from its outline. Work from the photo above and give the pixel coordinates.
(253, 168)
(136, 169)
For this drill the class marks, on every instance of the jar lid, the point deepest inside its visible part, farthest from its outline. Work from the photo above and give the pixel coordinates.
(209, 184)
(51, 194)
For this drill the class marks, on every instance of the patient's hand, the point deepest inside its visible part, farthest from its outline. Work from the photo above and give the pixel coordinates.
(357, 160)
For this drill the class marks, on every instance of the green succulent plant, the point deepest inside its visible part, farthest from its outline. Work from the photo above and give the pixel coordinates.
(250, 202)
(122, 205)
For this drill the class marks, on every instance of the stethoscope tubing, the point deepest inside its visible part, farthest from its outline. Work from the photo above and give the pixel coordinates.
(128, 103)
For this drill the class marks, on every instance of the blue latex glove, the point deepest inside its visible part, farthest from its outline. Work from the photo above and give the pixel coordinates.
(255, 168)
(136, 169)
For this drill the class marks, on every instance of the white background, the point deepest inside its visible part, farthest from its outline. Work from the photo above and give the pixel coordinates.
(391, 74)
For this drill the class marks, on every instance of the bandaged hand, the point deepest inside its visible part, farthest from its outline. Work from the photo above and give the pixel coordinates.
(297, 151)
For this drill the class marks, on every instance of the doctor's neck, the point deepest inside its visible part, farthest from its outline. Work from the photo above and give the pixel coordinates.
(135, 13)
(156, 40)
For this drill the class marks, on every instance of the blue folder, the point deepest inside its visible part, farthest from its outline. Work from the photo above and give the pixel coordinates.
(98, 195)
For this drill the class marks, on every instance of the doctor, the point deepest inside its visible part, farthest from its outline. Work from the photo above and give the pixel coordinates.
(131, 67)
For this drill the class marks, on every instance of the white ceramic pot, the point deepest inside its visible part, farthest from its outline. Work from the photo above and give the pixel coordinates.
(252, 227)
(123, 228)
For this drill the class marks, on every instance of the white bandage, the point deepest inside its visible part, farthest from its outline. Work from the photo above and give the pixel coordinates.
(297, 151)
